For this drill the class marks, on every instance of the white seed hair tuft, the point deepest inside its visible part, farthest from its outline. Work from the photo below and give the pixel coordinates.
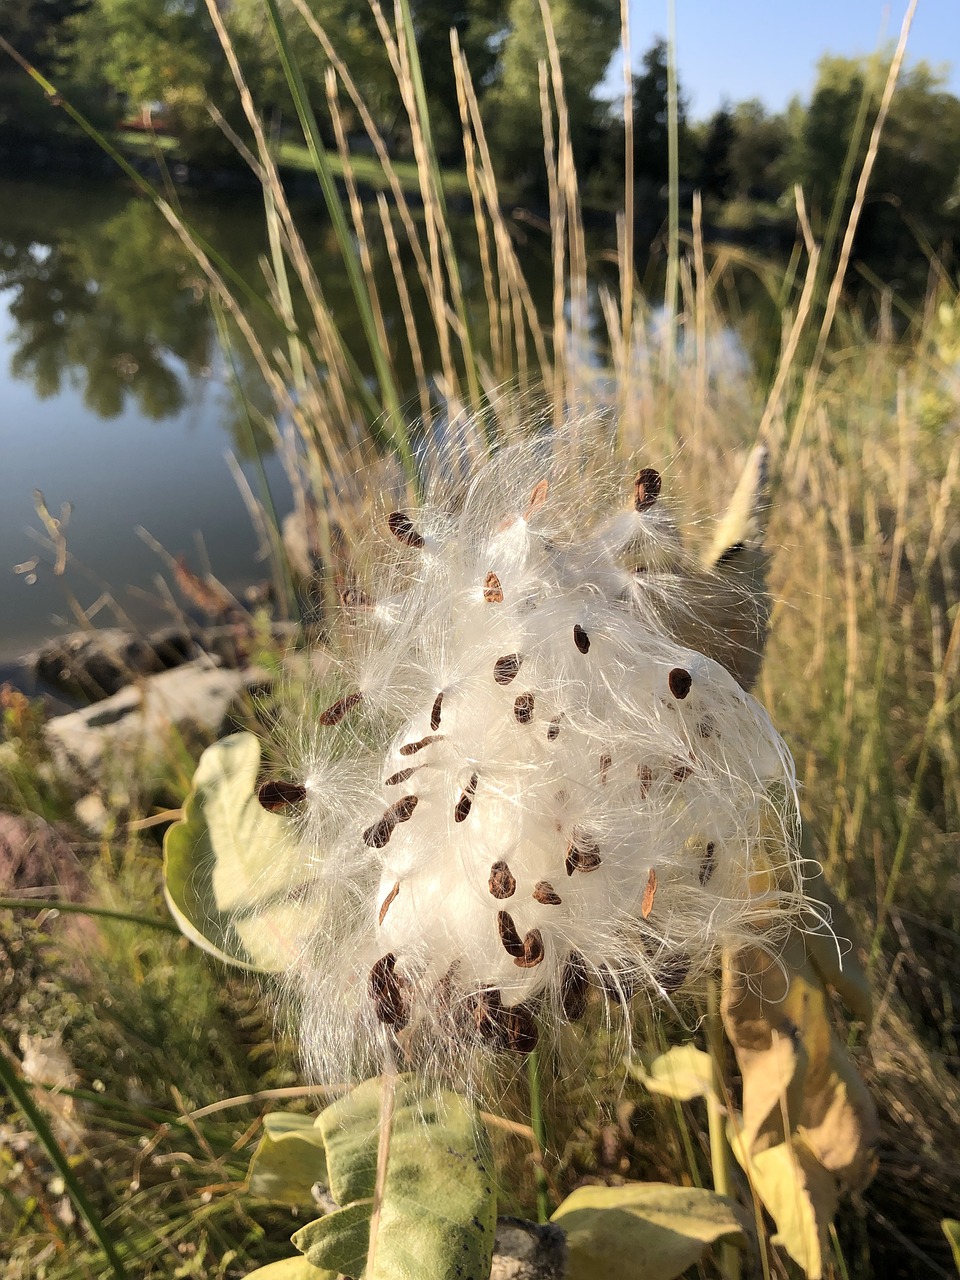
(524, 786)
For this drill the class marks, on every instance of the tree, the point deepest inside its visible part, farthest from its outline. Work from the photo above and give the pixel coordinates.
(651, 122)
(586, 34)
(714, 169)
(913, 189)
(757, 150)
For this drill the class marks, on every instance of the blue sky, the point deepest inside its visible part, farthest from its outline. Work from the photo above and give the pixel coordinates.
(768, 49)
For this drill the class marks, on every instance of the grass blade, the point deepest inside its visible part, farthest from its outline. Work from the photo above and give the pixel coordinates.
(17, 1088)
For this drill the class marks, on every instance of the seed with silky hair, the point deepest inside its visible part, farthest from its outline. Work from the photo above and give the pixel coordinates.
(404, 530)
(277, 796)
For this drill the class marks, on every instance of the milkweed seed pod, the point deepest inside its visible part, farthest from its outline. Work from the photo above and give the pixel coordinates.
(524, 786)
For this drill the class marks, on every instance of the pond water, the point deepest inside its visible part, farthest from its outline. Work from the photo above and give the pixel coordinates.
(113, 399)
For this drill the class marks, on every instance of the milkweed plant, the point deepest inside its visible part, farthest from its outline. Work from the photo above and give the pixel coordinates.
(530, 787)
(527, 786)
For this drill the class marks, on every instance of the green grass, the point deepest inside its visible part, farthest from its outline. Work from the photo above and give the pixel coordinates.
(861, 677)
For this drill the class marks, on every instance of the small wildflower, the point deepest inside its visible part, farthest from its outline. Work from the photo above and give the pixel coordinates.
(586, 803)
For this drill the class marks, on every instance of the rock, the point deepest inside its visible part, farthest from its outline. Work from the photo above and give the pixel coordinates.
(96, 664)
(92, 813)
(528, 1251)
(126, 738)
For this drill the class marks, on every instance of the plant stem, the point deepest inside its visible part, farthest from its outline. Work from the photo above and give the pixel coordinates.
(540, 1133)
(720, 1154)
(83, 909)
(13, 1083)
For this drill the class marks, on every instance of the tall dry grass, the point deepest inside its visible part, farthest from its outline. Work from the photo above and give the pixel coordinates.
(861, 671)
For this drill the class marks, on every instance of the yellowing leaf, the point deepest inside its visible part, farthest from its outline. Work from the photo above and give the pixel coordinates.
(951, 1229)
(297, 1268)
(801, 1197)
(232, 879)
(833, 956)
(289, 1159)
(797, 1075)
(647, 1230)
(683, 1072)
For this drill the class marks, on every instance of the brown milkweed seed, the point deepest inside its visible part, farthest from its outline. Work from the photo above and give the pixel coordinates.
(488, 1017)
(492, 590)
(532, 950)
(520, 1029)
(385, 906)
(502, 882)
(606, 760)
(335, 713)
(582, 855)
(544, 892)
(276, 796)
(411, 748)
(523, 708)
(679, 681)
(553, 730)
(404, 530)
(645, 774)
(379, 834)
(682, 772)
(672, 973)
(649, 893)
(396, 778)
(402, 809)
(581, 639)
(573, 987)
(385, 990)
(465, 803)
(511, 940)
(537, 498)
(646, 488)
(708, 863)
(506, 668)
(435, 711)
(618, 985)
(354, 598)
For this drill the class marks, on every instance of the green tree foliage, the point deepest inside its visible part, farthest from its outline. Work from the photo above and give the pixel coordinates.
(162, 52)
(914, 188)
(651, 122)
(586, 34)
(757, 152)
(714, 169)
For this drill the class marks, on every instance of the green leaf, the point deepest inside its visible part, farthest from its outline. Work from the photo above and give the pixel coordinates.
(644, 1230)
(951, 1229)
(289, 1159)
(683, 1072)
(231, 876)
(297, 1268)
(341, 1238)
(438, 1215)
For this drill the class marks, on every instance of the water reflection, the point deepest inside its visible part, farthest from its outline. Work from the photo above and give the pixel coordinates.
(114, 396)
(111, 307)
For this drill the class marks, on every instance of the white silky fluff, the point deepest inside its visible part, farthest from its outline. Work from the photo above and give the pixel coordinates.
(576, 816)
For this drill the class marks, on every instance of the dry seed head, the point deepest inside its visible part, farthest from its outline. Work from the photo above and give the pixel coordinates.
(587, 805)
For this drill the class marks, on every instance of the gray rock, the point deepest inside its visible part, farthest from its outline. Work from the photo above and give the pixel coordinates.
(528, 1251)
(125, 737)
(94, 664)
